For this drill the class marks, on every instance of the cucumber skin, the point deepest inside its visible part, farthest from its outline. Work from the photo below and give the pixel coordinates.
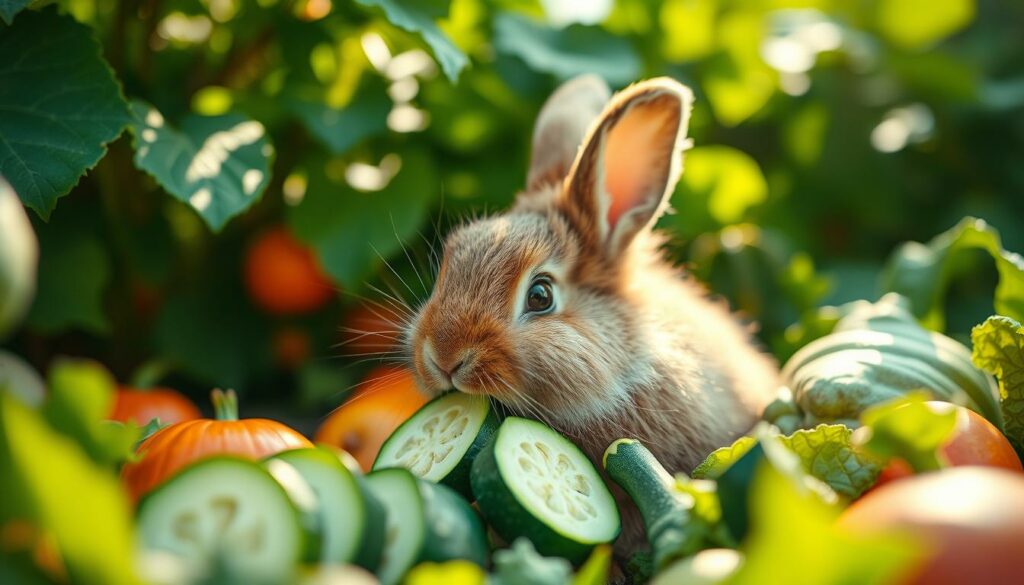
(368, 555)
(458, 477)
(454, 531)
(671, 529)
(510, 519)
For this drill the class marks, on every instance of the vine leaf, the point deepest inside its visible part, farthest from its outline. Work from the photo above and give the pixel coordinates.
(418, 16)
(219, 165)
(59, 105)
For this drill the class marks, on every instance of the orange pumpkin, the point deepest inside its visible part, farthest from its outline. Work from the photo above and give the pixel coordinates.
(174, 447)
(361, 425)
(142, 406)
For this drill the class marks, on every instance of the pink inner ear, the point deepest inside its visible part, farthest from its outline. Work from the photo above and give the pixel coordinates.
(636, 160)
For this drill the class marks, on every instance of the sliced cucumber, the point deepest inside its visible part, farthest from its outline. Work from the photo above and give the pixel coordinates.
(227, 509)
(439, 442)
(351, 519)
(532, 482)
(425, 522)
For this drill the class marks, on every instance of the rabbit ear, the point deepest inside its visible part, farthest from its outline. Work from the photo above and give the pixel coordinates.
(561, 126)
(630, 164)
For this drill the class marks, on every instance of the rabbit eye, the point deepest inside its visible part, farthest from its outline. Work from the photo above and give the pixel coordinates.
(540, 298)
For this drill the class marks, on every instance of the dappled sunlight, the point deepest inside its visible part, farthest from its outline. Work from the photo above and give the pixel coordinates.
(218, 147)
(366, 177)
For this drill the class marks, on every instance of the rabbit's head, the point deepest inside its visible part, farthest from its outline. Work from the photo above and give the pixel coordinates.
(536, 307)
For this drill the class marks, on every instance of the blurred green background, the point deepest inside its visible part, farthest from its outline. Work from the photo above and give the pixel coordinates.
(825, 133)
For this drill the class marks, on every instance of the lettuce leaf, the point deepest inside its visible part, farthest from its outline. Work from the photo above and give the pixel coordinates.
(999, 350)
(907, 428)
(722, 458)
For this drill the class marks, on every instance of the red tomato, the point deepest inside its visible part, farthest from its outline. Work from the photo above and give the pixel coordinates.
(283, 277)
(970, 520)
(142, 406)
(974, 441)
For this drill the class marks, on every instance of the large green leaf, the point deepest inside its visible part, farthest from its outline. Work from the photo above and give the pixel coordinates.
(353, 231)
(219, 165)
(721, 183)
(827, 453)
(999, 350)
(10, 8)
(567, 52)
(921, 272)
(419, 16)
(919, 23)
(59, 106)
(341, 129)
(50, 482)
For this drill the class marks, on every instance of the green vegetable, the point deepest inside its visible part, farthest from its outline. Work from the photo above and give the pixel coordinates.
(532, 482)
(425, 522)
(908, 429)
(708, 567)
(999, 349)
(352, 519)
(521, 564)
(439, 442)
(876, 353)
(675, 527)
(227, 509)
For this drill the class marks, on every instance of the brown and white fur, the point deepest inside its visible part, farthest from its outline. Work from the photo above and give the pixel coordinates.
(632, 348)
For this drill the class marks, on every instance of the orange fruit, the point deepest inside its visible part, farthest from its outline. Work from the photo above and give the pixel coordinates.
(142, 406)
(360, 426)
(283, 277)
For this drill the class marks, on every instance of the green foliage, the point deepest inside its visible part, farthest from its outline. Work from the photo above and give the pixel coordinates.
(922, 272)
(999, 350)
(909, 429)
(419, 16)
(9, 8)
(59, 105)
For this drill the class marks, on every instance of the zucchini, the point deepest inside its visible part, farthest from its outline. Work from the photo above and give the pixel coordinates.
(674, 528)
(532, 482)
(439, 442)
(425, 522)
(351, 518)
(228, 510)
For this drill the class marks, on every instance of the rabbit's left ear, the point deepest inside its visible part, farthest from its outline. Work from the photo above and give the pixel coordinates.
(629, 164)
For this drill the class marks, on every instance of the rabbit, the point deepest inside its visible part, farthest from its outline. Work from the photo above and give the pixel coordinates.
(564, 308)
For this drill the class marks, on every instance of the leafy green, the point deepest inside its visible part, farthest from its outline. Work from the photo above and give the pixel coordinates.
(596, 568)
(341, 129)
(10, 8)
(919, 23)
(59, 105)
(999, 350)
(81, 399)
(19, 258)
(794, 540)
(219, 165)
(352, 231)
(566, 52)
(907, 428)
(738, 83)
(722, 179)
(922, 272)
(50, 482)
(418, 16)
(521, 564)
(827, 452)
(720, 459)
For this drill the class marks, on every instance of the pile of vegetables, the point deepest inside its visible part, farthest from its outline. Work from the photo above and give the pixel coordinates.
(891, 456)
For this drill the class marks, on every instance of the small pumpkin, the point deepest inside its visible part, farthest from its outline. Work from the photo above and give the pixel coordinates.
(170, 449)
(143, 405)
(361, 425)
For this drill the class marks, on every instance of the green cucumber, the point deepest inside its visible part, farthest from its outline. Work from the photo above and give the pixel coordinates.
(674, 528)
(351, 519)
(425, 522)
(439, 442)
(532, 482)
(225, 510)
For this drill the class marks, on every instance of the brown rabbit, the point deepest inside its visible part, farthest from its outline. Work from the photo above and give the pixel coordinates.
(564, 308)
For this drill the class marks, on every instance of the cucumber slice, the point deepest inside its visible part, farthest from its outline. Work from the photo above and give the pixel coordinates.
(425, 522)
(439, 442)
(351, 524)
(532, 482)
(226, 508)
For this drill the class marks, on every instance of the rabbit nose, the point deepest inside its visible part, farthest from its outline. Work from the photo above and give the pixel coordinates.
(447, 367)
(450, 371)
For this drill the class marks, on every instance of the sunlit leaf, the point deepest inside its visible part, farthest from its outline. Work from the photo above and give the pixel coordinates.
(219, 165)
(737, 82)
(919, 23)
(999, 350)
(921, 272)
(59, 105)
(567, 52)
(908, 428)
(52, 484)
(419, 16)
(449, 573)
(827, 453)
(689, 29)
(353, 231)
(726, 180)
